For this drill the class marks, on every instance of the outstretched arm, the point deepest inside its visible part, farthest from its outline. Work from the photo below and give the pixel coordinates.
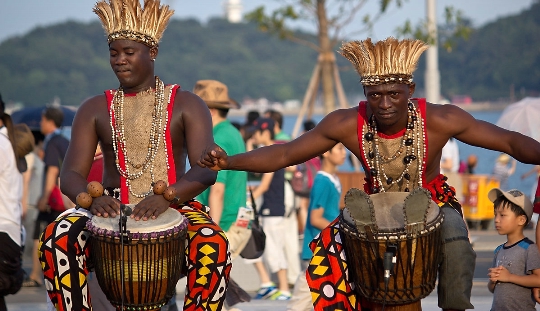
(446, 121)
(338, 126)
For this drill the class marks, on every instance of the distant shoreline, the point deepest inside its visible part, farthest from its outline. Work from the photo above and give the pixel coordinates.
(480, 106)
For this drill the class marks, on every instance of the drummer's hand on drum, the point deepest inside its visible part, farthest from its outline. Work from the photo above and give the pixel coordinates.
(215, 159)
(105, 206)
(151, 207)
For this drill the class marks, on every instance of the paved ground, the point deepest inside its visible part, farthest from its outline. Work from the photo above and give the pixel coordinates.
(34, 298)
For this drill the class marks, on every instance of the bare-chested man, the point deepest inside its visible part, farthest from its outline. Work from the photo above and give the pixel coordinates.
(145, 130)
(399, 140)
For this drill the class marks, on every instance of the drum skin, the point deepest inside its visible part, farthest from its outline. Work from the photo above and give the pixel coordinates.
(141, 275)
(414, 273)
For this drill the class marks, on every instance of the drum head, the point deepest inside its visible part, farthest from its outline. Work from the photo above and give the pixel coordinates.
(170, 218)
(388, 208)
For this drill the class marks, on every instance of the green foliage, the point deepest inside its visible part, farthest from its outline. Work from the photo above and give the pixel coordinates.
(501, 55)
(456, 26)
(70, 61)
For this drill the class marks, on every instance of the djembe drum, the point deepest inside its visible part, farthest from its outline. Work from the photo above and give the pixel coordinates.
(138, 269)
(392, 243)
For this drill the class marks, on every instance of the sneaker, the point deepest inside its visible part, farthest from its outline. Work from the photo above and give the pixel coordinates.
(279, 295)
(266, 292)
(28, 282)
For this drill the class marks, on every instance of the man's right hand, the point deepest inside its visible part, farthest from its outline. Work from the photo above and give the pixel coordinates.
(105, 206)
(215, 159)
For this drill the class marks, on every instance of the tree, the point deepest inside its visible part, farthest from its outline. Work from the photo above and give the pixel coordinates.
(330, 16)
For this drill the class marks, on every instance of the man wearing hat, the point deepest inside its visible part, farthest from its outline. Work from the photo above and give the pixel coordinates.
(398, 140)
(516, 265)
(227, 196)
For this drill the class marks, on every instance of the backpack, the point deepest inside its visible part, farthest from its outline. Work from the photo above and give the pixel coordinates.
(303, 177)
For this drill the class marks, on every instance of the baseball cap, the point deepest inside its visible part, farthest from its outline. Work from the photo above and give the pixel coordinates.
(262, 124)
(515, 196)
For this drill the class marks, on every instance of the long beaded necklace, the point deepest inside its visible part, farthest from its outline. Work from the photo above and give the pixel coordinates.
(377, 160)
(136, 170)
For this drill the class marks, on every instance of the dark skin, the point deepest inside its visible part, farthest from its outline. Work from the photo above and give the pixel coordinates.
(191, 134)
(388, 103)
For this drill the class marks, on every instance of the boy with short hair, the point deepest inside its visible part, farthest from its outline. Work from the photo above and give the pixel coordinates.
(272, 212)
(323, 209)
(516, 266)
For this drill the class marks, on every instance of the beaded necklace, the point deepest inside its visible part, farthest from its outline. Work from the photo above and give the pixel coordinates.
(377, 161)
(134, 170)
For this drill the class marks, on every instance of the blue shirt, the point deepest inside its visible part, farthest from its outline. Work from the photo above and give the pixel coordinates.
(325, 193)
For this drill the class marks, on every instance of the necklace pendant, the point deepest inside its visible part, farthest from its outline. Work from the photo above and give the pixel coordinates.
(408, 142)
(406, 160)
(389, 180)
(368, 136)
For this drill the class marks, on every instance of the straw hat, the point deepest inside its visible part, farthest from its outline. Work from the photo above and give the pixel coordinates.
(215, 94)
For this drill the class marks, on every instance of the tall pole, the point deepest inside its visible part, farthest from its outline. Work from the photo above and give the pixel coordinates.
(432, 77)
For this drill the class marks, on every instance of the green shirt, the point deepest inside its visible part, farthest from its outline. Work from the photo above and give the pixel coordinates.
(230, 139)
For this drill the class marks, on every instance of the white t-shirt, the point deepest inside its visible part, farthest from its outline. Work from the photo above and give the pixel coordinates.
(11, 188)
(451, 151)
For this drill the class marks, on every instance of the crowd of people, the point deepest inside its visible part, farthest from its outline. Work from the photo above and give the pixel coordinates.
(145, 132)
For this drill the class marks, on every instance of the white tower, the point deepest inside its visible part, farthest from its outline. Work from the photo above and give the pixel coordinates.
(432, 77)
(233, 11)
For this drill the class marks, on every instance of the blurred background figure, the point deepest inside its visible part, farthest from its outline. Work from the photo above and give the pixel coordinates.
(308, 170)
(450, 167)
(323, 209)
(292, 247)
(469, 166)
(503, 169)
(15, 143)
(51, 202)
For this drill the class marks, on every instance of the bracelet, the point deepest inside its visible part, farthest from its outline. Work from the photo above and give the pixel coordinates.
(93, 190)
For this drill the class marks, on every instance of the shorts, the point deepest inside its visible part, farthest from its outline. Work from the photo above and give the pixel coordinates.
(42, 221)
(274, 252)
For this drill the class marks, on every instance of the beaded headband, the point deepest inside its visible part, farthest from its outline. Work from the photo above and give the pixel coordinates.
(387, 61)
(126, 19)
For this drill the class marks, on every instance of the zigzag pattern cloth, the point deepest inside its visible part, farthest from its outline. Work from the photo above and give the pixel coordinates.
(64, 254)
(327, 273)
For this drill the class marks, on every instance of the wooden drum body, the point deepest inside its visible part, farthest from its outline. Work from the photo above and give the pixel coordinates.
(141, 275)
(402, 224)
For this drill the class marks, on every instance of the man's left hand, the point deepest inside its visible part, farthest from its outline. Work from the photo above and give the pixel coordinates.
(150, 207)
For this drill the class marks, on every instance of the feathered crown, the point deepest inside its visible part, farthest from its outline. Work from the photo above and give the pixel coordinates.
(126, 19)
(387, 61)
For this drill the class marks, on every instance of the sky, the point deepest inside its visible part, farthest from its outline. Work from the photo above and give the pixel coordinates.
(18, 17)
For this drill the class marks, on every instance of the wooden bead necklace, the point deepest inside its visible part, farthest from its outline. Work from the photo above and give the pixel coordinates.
(377, 161)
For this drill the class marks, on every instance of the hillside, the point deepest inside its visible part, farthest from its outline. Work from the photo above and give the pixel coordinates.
(70, 61)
